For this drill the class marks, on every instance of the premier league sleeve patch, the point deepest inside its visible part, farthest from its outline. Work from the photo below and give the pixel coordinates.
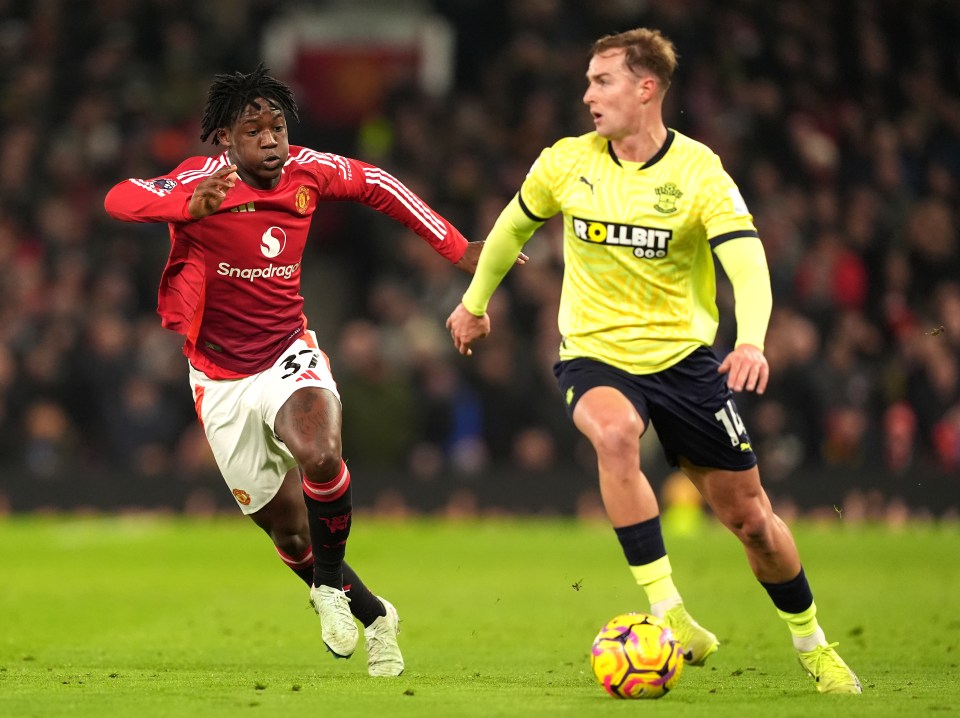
(160, 187)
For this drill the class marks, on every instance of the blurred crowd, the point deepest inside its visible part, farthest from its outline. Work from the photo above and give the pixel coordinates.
(840, 121)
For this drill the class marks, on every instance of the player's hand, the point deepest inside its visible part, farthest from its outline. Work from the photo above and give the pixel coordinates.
(211, 191)
(468, 262)
(746, 368)
(466, 328)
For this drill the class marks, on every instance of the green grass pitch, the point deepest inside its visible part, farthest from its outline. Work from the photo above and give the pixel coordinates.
(147, 616)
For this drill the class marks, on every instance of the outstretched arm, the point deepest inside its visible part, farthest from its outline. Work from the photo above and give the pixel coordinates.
(168, 198)
(744, 262)
(345, 178)
(468, 262)
(469, 321)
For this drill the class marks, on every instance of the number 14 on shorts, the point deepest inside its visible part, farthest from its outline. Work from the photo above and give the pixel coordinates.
(732, 422)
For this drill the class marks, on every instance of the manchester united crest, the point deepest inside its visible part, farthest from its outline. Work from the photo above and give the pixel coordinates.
(242, 497)
(302, 199)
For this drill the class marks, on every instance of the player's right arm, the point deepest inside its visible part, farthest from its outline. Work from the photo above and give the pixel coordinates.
(503, 245)
(469, 321)
(167, 198)
(530, 208)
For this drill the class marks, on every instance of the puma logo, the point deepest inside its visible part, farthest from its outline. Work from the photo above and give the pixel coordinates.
(587, 182)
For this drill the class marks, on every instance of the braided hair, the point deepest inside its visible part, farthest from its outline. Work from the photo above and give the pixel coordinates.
(231, 94)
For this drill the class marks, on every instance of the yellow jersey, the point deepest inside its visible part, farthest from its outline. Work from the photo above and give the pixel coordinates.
(639, 286)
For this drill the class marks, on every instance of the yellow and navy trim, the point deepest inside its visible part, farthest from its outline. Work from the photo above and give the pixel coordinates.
(736, 234)
(664, 148)
(526, 210)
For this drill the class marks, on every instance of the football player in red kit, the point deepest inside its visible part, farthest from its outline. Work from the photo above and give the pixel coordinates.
(263, 389)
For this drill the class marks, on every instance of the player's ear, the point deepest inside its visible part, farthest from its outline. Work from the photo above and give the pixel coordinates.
(649, 88)
(224, 137)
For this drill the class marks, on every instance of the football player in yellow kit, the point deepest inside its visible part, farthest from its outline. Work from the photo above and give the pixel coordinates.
(645, 210)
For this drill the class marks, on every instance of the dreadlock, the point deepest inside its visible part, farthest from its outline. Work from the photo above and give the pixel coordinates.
(230, 94)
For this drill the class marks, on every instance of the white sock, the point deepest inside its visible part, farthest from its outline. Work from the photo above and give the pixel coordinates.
(661, 607)
(808, 643)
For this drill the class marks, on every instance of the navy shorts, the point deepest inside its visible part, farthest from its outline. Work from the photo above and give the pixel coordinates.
(689, 404)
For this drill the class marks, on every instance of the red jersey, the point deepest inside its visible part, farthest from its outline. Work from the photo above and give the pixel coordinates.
(232, 281)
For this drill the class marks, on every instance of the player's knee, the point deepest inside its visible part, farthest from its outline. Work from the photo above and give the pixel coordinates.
(290, 540)
(322, 464)
(752, 528)
(617, 441)
(289, 529)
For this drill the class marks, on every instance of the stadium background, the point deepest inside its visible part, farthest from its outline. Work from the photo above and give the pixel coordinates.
(839, 120)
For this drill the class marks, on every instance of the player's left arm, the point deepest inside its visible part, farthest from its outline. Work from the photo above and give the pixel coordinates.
(736, 243)
(345, 178)
(745, 264)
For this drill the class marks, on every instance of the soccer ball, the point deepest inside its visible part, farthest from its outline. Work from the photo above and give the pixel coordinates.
(636, 656)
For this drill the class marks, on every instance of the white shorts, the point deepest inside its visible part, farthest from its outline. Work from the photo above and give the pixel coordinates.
(238, 417)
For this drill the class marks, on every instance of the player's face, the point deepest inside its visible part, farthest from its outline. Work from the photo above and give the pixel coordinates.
(257, 143)
(615, 95)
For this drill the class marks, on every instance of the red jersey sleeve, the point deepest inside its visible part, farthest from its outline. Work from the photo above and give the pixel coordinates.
(160, 199)
(351, 179)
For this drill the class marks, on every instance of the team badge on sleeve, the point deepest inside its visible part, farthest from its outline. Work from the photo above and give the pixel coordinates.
(165, 184)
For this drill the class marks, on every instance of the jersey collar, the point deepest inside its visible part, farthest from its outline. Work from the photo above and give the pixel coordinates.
(653, 160)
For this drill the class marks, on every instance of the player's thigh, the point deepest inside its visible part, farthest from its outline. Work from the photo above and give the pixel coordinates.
(602, 401)
(695, 416)
(300, 402)
(605, 416)
(252, 461)
(310, 422)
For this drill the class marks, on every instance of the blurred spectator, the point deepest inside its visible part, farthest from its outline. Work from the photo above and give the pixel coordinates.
(899, 433)
(840, 121)
(50, 446)
(830, 277)
(381, 416)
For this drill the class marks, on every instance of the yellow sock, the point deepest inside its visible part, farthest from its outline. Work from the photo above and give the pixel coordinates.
(804, 628)
(801, 624)
(657, 582)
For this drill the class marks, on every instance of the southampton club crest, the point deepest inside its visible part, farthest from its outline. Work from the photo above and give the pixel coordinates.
(667, 196)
